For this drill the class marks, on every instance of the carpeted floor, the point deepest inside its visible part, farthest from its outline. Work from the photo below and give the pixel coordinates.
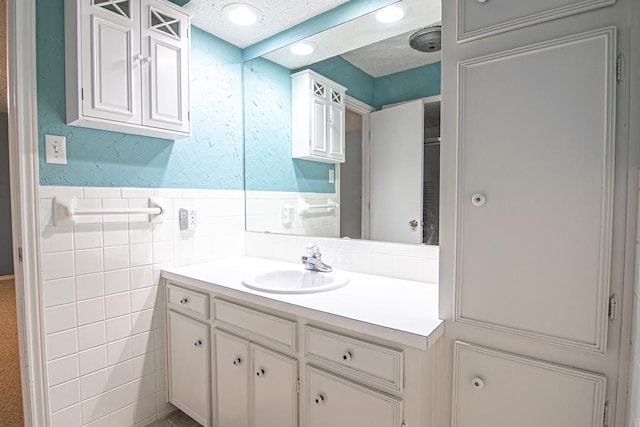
(10, 393)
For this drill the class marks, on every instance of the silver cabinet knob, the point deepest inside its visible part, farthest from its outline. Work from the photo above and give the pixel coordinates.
(319, 399)
(482, 1)
(346, 356)
(145, 60)
(198, 343)
(260, 372)
(477, 383)
(237, 361)
(413, 223)
(184, 300)
(478, 199)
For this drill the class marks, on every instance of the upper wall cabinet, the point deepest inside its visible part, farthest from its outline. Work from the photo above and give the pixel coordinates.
(127, 66)
(481, 18)
(318, 118)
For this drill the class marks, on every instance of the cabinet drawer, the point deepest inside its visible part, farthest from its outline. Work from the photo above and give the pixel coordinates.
(376, 363)
(259, 326)
(334, 401)
(494, 388)
(192, 302)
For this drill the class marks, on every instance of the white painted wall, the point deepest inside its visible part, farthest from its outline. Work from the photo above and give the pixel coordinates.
(104, 318)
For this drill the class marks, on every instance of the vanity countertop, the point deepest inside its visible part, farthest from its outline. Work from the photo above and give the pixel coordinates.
(402, 311)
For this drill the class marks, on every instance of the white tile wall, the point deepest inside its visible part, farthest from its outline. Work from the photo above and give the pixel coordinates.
(411, 262)
(633, 410)
(264, 213)
(103, 312)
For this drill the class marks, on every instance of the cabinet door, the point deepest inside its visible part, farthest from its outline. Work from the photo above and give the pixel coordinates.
(231, 380)
(483, 18)
(165, 67)
(189, 366)
(334, 401)
(110, 70)
(336, 132)
(535, 190)
(496, 389)
(274, 396)
(319, 127)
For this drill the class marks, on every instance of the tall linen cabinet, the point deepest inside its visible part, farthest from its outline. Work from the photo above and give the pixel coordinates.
(534, 229)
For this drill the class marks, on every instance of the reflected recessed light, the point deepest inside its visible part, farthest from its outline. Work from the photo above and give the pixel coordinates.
(303, 48)
(389, 14)
(242, 14)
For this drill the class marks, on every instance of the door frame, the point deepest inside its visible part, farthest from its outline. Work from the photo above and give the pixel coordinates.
(24, 179)
(364, 110)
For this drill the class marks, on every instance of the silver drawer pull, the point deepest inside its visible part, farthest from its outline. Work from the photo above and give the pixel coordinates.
(319, 399)
(478, 200)
(477, 383)
(237, 361)
(346, 356)
(184, 300)
(260, 372)
(198, 343)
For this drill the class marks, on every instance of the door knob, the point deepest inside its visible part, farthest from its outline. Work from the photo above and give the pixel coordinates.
(478, 199)
(477, 383)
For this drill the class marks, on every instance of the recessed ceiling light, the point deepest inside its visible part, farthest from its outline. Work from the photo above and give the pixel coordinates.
(389, 14)
(303, 48)
(242, 14)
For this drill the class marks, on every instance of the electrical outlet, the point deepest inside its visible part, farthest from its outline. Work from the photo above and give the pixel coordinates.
(188, 218)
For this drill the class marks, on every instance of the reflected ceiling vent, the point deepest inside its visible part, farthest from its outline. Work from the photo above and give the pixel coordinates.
(427, 39)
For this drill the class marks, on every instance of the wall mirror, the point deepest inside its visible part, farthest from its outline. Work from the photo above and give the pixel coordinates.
(387, 187)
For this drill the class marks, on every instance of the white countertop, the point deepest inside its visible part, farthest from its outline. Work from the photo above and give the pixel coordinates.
(403, 311)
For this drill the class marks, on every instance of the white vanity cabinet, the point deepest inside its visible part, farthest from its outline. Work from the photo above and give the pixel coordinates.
(318, 108)
(127, 66)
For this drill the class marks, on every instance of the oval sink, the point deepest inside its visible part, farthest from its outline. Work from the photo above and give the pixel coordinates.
(295, 282)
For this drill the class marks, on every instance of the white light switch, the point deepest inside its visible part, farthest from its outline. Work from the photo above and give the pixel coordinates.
(332, 176)
(55, 149)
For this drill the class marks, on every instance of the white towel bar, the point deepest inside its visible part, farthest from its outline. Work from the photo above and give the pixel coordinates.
(66, 212)
(304, 207)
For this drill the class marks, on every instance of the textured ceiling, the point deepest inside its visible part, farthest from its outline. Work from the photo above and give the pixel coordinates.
(278, 15)
(377, 49)
(390, 56)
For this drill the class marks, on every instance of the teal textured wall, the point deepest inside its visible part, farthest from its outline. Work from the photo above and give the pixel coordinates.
(211, 158)
(415, 83)
(6, 246)
(268, 162)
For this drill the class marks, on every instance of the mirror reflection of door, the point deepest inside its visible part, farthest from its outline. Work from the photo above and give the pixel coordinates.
(351, 183)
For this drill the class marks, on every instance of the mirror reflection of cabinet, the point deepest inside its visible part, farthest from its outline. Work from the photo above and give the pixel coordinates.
(318, 118)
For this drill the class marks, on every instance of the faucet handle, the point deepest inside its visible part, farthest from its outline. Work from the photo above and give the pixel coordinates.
(313, 250)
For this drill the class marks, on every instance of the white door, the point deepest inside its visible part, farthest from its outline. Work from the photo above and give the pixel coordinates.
(319, 127)
(274, 400)
(231, 380)
(189, 363)
(334, 401)
(396, 173)
(110, 69)
(165, 67)
(535, 178)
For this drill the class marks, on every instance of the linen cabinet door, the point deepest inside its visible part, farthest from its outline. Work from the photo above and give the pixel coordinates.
(497, 389)
(336, 402)
(336, 129)
(274, 396)
(165, 72)
(189, 366)
(534, 225)
(110, 60)
(231, 380)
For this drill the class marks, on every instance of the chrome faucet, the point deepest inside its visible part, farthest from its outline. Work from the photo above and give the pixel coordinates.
(313, 259)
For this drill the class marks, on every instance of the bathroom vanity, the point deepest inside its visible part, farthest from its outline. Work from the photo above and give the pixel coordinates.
(360, 355)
